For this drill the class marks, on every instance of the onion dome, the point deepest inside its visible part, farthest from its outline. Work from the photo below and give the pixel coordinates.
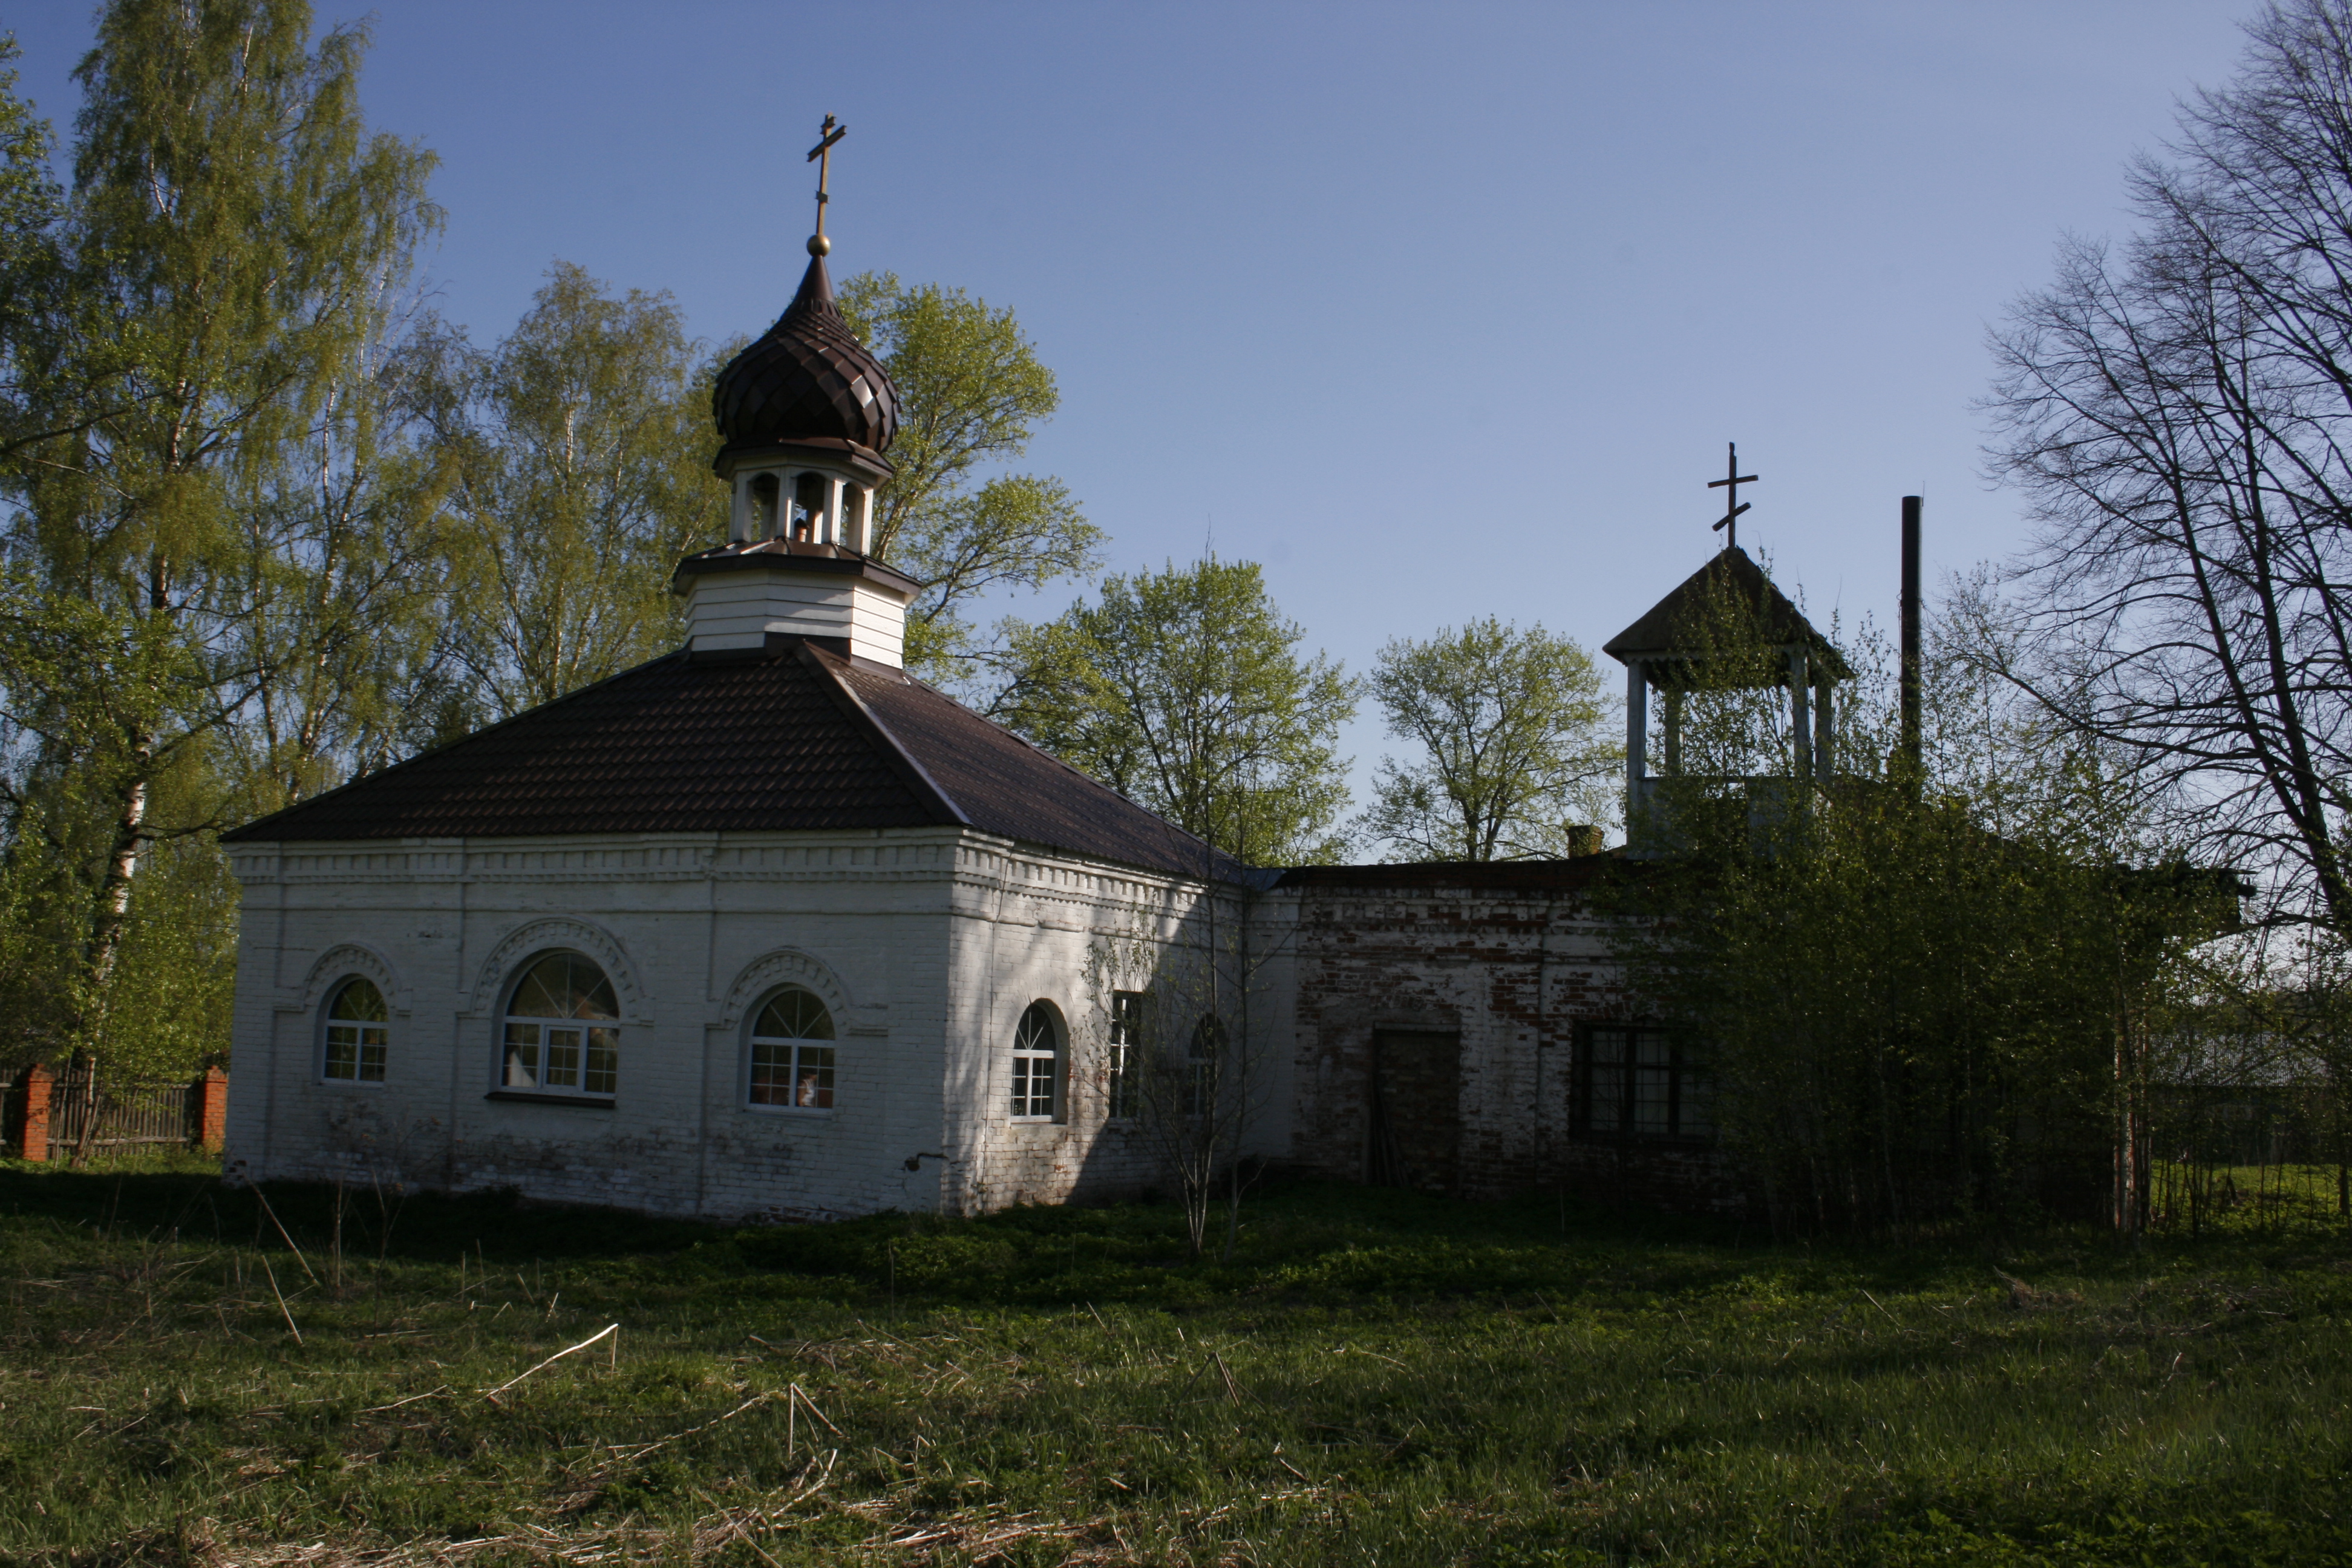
(808, 381)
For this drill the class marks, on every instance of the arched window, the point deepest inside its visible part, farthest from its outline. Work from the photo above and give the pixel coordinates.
(1037, 1064)
(357, 1034)
(561, 1033)
(792, 1053)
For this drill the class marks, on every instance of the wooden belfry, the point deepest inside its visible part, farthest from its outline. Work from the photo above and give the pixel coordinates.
(1660, 653)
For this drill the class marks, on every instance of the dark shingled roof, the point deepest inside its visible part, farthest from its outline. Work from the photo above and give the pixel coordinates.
(1660, 635)
(793, 738)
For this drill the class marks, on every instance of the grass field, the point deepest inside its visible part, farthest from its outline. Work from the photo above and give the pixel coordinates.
(1376, 1379)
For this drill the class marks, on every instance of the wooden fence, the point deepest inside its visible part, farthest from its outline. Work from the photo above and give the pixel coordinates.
(50, 1111)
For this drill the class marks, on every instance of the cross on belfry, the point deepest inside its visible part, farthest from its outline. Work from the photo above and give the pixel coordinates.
(822, 156)
(1735, 479)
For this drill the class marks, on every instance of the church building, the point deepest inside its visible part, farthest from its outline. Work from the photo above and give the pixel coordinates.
(767, 927)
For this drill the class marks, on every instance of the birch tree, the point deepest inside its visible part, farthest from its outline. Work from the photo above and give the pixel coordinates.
(576, 456)
(231, 240)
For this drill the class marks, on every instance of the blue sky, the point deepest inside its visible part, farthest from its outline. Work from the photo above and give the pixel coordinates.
(1437, 310)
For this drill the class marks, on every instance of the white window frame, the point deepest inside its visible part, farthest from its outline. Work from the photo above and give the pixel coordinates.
(544, 1042)
(796, 1047)
(1123, 1083)
(1024, 1059)
(329, 1025)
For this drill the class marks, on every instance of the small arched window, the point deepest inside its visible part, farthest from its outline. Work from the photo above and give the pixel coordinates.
(1037, 1064)
(792, 1053)
(563, 1034)
(358, 1034)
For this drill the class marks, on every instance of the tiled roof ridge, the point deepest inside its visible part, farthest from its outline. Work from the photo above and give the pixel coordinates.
(251, 829)
(1072, 769)
(1183, 846)
(901, 761)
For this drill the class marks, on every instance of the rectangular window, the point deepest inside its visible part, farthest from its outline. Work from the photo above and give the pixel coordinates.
(1637, 1082)
(1126, 1043)
(772, 1072)
(522, 1056)
(1032, 1083)
(813, 1077)
(562, 1059)
(798, 1073)
(355, 1052)
(604, 1072)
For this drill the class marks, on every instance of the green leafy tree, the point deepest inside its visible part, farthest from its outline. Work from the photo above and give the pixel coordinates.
(1516, 749)
(972, 393)
(1184, 690)
(223, 264)
(1913, 997)
(577, 455)
(30, 205)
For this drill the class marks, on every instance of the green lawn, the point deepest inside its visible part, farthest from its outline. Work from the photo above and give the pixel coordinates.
(1376, 1379)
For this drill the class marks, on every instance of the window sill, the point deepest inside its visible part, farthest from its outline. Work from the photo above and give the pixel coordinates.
(1034, 1121)
(820, 1110)
(350, 1083)
(530, 1097)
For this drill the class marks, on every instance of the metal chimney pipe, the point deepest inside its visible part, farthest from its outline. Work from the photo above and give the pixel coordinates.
(1910, 614)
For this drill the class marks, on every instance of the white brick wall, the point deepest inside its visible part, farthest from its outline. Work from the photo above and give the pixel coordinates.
(926, 944)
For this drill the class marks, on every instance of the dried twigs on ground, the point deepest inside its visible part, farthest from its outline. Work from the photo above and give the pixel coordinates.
(272, 1276)
(611, 1330)
(283, 1234)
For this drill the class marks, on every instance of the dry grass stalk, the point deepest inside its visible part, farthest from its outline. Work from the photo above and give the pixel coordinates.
(612, 1329)
(283, 1234)
(272, 1276)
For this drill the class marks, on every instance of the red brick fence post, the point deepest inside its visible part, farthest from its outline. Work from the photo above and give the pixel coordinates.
(212, 1108)
(28, 1112)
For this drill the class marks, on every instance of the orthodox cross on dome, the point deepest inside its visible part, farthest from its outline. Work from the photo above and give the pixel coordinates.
(822, 156)
(1733, 477)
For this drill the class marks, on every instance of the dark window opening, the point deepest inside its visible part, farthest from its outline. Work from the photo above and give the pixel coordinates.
(808, 506)
(764, 506)
(1639, 1082)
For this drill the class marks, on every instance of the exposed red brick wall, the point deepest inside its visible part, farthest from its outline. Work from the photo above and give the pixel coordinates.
(1513, 971)
(212, 1108)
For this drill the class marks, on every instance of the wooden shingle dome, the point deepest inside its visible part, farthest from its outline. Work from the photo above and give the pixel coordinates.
(806, 381)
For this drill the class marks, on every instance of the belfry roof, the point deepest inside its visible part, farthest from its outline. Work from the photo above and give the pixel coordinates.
(1664, 636)
(794, 737)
